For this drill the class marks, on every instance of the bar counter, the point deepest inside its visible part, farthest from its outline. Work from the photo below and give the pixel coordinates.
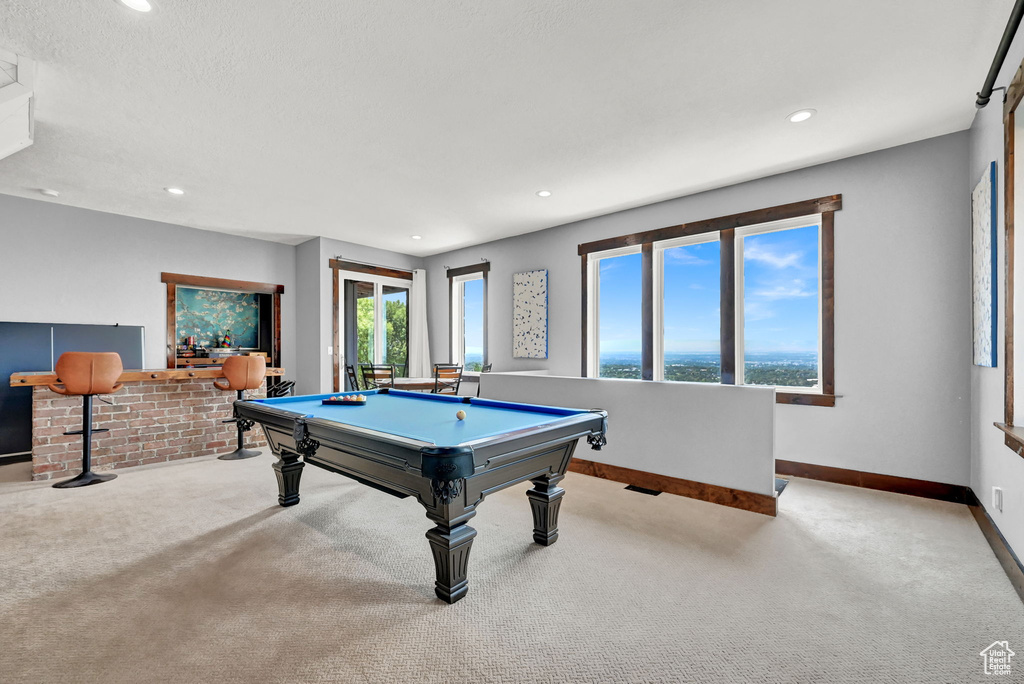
(159, 415)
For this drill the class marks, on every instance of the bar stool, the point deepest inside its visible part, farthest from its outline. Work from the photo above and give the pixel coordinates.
(242, 373)
(86, 374)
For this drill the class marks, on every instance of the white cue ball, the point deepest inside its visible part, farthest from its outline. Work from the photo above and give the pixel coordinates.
(461, 415)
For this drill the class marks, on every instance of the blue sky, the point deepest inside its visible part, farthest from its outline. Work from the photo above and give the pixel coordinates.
(780, 300)
(473, 315)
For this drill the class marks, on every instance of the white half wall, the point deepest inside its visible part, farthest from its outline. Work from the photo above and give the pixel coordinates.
(902, 297)
(716, 434)
(69, 265)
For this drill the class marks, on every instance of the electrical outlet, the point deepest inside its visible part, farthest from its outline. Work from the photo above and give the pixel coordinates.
(330, 351)
(997, 498)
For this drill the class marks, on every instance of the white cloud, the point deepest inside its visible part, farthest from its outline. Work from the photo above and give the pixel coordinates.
(756, 252)
(792, 290)
(757, 311)
(679, 255)
(695, 286)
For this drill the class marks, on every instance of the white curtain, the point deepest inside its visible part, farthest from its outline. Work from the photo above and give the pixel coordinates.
(419, 340)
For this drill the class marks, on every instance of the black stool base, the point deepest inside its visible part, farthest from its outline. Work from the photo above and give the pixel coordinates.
(239, 454)
(85, 479)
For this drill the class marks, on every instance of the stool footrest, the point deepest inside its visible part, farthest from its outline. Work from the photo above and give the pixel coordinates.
(82, 432)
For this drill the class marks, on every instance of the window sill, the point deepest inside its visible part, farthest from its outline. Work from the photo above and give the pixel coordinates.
(1014, 437)
(805, 399)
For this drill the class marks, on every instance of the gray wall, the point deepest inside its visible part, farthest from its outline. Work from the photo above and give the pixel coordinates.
(315, 371)
(992, 463)
(67, 265)
(903, 308)
(70, 265)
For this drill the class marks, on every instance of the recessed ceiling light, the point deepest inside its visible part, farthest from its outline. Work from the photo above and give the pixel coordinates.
(417, 237)
(543, 193)
(802, 115)
(49, 193)
(137, 5)
(175, 191)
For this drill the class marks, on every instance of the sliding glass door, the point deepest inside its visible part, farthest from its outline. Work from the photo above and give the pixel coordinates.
(375, 312)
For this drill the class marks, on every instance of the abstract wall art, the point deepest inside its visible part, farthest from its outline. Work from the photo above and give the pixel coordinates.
(984, 220)
(530, 315)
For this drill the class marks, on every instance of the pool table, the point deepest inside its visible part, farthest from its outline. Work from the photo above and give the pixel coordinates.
(413, 444)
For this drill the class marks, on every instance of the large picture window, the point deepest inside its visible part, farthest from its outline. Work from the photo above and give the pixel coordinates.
(617, 290)
(779, 312)
(689, 346)
(468, 316)
(741, 299)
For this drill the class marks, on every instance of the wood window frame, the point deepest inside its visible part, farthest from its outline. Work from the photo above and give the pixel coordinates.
(726, 227)
(337, 265)
(1013, 436)
(173, 280)
(483, 268)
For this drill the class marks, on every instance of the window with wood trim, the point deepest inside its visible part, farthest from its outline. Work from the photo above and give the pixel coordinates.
(686, 309)
(741, 299)
(371, 316)
(617, 322)
(778, 304)
(468, 315)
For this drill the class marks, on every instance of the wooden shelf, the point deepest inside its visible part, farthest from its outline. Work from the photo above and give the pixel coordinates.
(1014, 437)
(183, 361)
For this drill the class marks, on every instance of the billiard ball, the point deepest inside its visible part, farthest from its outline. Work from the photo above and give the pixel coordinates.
(461, 415)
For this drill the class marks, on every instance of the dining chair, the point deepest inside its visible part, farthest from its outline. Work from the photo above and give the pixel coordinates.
(353, 380)
(485, 369)
(376, 375)
(447, 377)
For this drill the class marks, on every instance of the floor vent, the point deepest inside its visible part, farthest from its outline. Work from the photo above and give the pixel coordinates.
(643, 490)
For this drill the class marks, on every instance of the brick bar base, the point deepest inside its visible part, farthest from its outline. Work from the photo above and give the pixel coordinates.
(149, 422)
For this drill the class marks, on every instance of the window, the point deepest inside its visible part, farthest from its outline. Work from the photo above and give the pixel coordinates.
(741, 299)
(617, 286)
(468, 315)
(778, 270)
(690, 342)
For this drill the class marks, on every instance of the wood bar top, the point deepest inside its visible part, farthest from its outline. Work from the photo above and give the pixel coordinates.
(155, 375)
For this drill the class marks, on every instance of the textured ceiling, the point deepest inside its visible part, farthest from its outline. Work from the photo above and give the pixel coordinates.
(373, 120)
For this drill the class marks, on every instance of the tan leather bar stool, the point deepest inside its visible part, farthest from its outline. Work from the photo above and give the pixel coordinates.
(87, 374)
(242, 373)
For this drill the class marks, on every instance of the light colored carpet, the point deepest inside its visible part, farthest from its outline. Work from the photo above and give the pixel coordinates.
(190, 572)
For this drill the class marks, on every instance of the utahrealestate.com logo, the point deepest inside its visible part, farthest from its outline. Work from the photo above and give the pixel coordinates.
(997, 658)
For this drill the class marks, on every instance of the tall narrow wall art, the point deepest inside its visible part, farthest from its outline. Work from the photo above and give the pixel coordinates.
(530, 315)
(984, 219)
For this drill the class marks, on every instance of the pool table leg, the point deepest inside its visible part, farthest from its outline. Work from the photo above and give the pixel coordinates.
(545, 500)
(289, 471)
(450, 543)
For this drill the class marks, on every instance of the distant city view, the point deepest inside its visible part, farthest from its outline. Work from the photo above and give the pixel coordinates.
(785, 369)
(474, 361)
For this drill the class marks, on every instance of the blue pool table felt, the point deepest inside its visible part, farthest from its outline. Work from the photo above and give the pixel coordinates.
(426, 417)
